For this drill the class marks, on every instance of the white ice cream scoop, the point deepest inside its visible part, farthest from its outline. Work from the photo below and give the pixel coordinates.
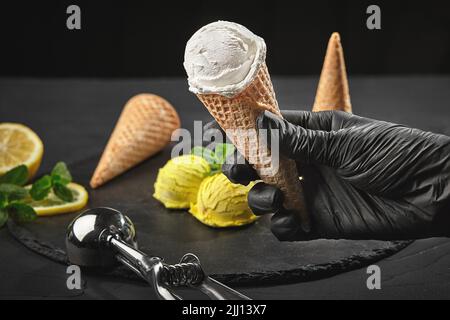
(223, 58)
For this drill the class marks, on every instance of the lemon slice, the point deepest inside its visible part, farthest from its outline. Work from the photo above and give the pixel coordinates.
(52, 205)
(19, 145)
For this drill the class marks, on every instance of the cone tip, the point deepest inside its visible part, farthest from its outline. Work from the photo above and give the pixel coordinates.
(95, 183)
(335, 36)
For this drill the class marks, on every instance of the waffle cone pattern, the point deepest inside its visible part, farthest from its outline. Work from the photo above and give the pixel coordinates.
(144, 128)
(237, 117)
(333, 91)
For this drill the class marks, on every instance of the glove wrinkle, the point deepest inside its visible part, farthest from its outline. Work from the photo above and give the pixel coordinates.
(310, 120)
(363, 178)
(359, 215)
(307, 146)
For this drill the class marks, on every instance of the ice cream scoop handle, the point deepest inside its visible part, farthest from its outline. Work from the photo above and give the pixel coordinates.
(163, 276)
(212, 288)
(218, 291)
(149, 268)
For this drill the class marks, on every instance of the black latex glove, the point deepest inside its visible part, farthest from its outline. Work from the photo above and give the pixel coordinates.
(362, 178)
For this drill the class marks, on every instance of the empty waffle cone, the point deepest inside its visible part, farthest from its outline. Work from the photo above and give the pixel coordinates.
(237, 117)
(333, 91)
(144, 128)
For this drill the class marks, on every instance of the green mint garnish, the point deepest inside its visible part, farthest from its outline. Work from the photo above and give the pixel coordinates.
(17, 176)
(216, 158)
(3, 217)
(21, 212)
(62, 192)
(61, 174)
(41, 188)
(13, 193)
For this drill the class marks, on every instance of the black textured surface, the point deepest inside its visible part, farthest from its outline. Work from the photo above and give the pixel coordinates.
(75, 117)
(302, 273)
(241, 256)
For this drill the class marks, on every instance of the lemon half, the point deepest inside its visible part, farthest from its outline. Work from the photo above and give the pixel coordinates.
(52, 205)
(19, 145)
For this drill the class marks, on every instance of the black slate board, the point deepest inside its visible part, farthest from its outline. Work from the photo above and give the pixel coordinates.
(241, 256)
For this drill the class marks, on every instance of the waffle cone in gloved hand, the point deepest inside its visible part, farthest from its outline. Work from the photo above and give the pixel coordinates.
(333, 91)
(144, 128)
(237, 117)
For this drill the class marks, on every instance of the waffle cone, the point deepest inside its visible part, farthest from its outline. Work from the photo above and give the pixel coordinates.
(237, 117)
(144, 128)
(333, 91)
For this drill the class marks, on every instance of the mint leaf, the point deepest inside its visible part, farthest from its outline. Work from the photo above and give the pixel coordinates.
(62, 192)
(209, 156)
(206, 154)
(13, 192)
(17, 176)
(41, 188)
(61, 174)
(3, 200)
(21, 213)
(223, 151)
(3, 217)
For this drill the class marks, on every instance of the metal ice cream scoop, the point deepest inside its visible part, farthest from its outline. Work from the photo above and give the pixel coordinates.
(102, 237)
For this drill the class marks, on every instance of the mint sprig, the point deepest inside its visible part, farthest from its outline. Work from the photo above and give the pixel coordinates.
(223, 151)
(17, 176)
(61, 174)
(13, 193)
(206, 154)
(20, 212)
(57, 181)
(3, 217)
(41, 188)
(217, 157)
(3, 200)
(14, 209)
(62, 192)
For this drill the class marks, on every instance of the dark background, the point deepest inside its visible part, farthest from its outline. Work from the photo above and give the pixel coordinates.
(147, 38)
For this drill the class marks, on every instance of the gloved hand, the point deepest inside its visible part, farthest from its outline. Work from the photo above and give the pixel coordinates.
(362, 178)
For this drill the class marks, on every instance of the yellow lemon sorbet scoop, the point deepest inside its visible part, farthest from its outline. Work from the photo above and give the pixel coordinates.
(222, 204)
(179, 180)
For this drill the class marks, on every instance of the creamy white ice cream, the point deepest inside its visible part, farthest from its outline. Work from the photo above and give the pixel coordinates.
(223, 57)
